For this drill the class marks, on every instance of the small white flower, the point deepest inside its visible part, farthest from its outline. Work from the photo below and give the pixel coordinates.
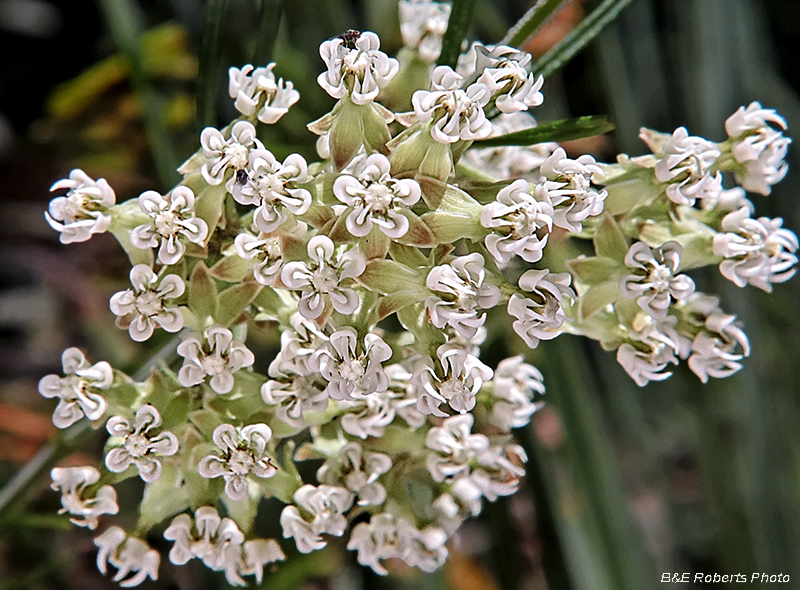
(216, 355)
(454, 448)
(424, 548)
(72, 483)
(171, 217)
(272, 187)
(497, 473)
(356, 67)
(759, 144)
(320, 280)
(455, 114)
(685, 165)
(144, 307)
(387, 537)
(515, 385)
(540, 316)
(227, 154)
(134, 559)
(294, 396)
(244, 451)
(376, 198)
(461, 289)
(717, 350)
(358, 471)
(422, 25)
(567, 185)
(504, 72)
(256, 90)
(349, 369)
(299, 342)
(654, 282)
(325, 505)
(83, 211)
(756, 251)
(140, 446)
(376, 540)
(647, 362)
(77, 391)
(462, 377)
(266, 250)
(216, 541)
(521, 224)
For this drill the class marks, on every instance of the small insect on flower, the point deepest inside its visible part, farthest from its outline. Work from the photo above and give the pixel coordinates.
(349, 38)
(242, 177)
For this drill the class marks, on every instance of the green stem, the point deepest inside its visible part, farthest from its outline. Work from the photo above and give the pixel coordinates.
(125, 22)
(209, 63)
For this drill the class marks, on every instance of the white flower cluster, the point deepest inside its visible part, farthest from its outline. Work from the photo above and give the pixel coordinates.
(384, 268)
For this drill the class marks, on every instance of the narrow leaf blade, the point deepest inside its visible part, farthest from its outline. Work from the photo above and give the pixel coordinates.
(561, 130)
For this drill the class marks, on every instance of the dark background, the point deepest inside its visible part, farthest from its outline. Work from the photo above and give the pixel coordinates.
(624, 483)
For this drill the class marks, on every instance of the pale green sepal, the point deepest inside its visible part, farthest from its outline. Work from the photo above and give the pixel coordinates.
(231, 269)
(163, 498)
(234, 301)
(597, 298)
(203, 297)
(609, 240)
(593, 270)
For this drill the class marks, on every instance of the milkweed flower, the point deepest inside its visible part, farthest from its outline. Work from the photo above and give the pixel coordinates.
(84, 507)
(84, 210)
(243, 451)
(257, 92)
(655, 282)
(78, 392)
(145, 307)
(140, 447)
(356, 67)
(172, 217)
(215, 354)
(134, 559)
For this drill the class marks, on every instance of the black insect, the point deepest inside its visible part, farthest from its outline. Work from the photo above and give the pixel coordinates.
(349, 38)
(241, 177)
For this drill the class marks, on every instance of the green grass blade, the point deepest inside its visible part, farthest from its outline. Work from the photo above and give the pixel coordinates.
(125, 23)
(460, 17)
(269, 21)
(580, 36)
(208, 74)
(561, 130)
(530, 22)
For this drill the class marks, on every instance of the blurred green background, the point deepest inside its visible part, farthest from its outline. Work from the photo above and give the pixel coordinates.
(624, 484)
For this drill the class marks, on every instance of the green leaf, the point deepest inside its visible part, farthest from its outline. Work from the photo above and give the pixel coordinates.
(233, 301)
(561, 130)
(203, 298)
(125, 22)
(579, 37)
(530, 21)
(210, 60)
(205, 421)
(593, 270)
(609, 241)
(460, 16)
